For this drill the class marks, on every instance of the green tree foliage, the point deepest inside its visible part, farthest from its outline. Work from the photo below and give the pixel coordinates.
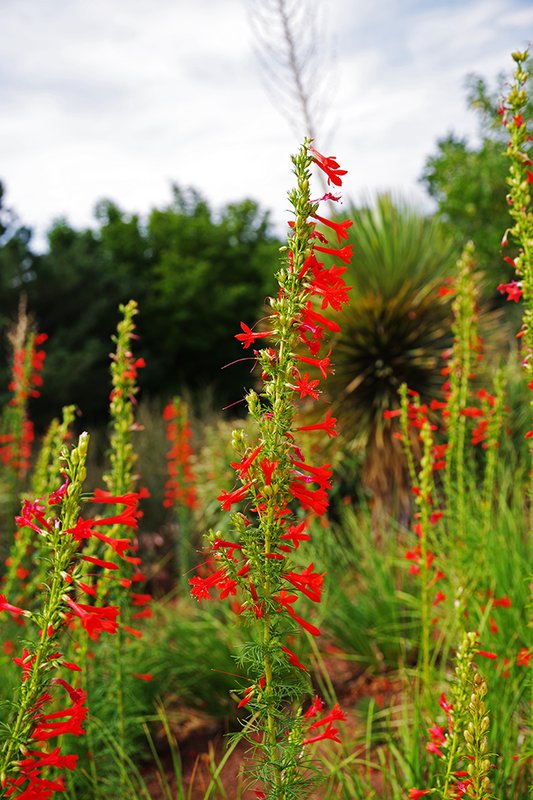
(207, 276)
(468, 181)
(194, 273)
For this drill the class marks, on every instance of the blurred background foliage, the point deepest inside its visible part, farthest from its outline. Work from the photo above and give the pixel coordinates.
(193, 272)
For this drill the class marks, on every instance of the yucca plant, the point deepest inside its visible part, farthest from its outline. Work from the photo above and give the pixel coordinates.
(395, 329)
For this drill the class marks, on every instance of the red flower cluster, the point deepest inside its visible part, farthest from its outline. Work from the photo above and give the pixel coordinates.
(179, 488)
(16, 441)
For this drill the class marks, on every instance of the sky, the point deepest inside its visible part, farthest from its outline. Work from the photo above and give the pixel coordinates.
(119, 99)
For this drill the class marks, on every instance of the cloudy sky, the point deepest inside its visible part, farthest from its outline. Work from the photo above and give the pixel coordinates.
(121, 98)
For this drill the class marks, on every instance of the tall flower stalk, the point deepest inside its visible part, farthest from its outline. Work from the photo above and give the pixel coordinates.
(180, 489)
(279, 493)
(23, 742)
(25, 557)
(519, 198)
(121, 479)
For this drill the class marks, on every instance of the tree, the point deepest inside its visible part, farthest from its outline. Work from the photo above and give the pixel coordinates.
(208, 275)
(195, 274)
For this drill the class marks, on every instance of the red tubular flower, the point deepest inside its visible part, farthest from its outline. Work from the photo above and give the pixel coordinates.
(320, 475)
(267, 468)
(47, 727)
(311, 318)
(416, 794)
(128, 499)
(315, 708)
(305, 387)
(30, 511)
(329, 165)
(285, 600)
(431, 747)
(321, 363)
(296, 534)
(26, 662)
(54, 758)
(513, 289)
(314, 499)
(95, 620)
(201, 586)
(340, 228)
(335, 715)
(249, 336)
(329, 733)
(245, 463)
(229, 498)
(488, 654)
(100, 562)
(343, 253)
(14, 610)
(308, 582)
(328, 425)
(293, 659)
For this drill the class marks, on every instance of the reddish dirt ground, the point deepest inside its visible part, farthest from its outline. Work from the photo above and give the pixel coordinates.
(201, 741)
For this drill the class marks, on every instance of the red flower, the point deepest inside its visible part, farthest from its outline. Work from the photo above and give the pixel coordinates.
(296, 534)
(293, 659)
(267, 468)
(95, 620)
(315, 708)
(320, 475)
(311, 318)
(308, 582)
(52, 759)
(343, 253)
(249, 336)
(336, 714)
(285, 600)
(201, 586)
(244, 464)
(14, 610)
(431, 747)
(305, 387)
(513, 290)
(314, 499)
(488, 654)
(340, 228)
(329, 733)
(321, 363)
(329, 165)
(328, 425)
(416, 794)
(229, 498)
(47, 727)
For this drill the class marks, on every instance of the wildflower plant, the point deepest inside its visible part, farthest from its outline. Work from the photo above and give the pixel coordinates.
(460, 745)
(180, 488)
(24, 752)
(25, 558)
(16, 427)
(279, 492)
(519, 198)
